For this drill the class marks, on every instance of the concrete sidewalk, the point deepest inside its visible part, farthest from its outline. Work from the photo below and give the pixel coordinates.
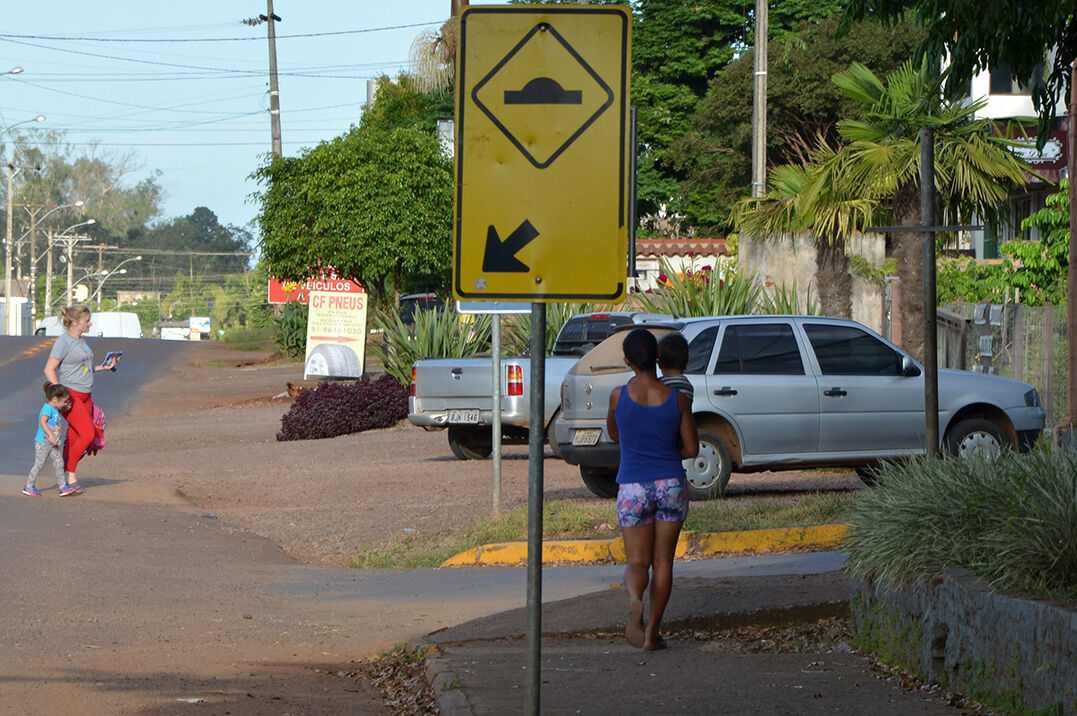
(479, 667)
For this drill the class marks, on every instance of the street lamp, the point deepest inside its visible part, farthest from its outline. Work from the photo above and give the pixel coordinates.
(111, 273)
(11, 169)
(33, 261)
(70, 261)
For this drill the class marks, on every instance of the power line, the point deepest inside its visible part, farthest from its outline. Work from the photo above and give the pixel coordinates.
(65, 38)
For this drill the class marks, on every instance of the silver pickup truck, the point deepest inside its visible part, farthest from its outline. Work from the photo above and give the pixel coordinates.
(456, 395)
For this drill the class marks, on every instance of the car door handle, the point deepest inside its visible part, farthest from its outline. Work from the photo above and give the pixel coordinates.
(725, 390)
(835, 392)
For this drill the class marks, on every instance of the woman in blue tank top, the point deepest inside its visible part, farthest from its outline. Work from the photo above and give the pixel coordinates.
(654, 425)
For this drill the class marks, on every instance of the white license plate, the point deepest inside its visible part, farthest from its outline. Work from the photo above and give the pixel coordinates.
(463, 416)
(586, 437)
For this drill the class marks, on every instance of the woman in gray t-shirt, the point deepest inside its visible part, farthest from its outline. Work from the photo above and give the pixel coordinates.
(71, 364)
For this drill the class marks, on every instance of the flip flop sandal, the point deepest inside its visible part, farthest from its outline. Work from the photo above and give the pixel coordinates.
(634, 630)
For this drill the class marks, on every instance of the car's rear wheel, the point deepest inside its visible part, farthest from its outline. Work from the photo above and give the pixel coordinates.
(976, 437)
(468, 443)
(602, 481)
(708, 473)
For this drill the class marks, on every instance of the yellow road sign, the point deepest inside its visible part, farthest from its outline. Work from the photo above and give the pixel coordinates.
(542, 167)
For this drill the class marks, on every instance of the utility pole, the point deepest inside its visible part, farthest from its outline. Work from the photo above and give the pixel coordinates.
(70, 267)
(274, 95)
(8, 303)
(32, 210)
(759, 102)
(46, 305)
(101, 256)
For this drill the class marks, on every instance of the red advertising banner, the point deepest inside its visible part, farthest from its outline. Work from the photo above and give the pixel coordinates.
(296, 292)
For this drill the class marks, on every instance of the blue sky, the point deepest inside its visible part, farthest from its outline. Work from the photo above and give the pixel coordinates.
(195, 110)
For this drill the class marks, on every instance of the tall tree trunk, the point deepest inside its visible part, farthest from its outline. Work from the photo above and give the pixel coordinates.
(908, 248)
(833, 281)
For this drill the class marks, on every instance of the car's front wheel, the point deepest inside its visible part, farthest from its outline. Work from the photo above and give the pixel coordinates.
(976, 437)
(708, 473)
(602, 481)
(469, 444)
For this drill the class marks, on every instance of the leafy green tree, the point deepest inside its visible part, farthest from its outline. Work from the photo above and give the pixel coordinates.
(199, 231)
(978, 36)
(802, 104)
(400, 104)
(67, 174)
(1044, 270)
(374, 204)
(678, 47)
(879, 164)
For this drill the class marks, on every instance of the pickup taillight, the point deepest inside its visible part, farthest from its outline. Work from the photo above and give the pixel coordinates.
(414, 375)
(515, 380)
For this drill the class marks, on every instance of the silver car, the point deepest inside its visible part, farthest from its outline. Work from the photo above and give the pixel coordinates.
(790, 392)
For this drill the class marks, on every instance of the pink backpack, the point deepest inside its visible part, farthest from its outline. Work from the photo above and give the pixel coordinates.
(99, 431)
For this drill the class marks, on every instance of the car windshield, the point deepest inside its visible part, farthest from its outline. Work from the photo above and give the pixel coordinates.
(580, 333)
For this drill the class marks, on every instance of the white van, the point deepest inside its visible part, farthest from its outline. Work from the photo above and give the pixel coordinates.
(107, 324)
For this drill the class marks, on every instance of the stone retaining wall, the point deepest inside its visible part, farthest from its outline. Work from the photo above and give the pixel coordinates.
(1013, 654)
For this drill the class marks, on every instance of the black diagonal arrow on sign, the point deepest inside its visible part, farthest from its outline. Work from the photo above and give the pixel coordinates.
(500, 256)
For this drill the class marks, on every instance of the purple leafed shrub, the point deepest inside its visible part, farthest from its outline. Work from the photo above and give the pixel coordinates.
(333, 409)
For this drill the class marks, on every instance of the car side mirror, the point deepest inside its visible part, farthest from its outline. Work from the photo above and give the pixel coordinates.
(908, 368)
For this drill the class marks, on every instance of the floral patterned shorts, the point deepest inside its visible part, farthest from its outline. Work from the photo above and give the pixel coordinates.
(640, 503)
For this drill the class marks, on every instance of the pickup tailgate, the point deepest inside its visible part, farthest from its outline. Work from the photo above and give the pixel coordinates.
(459, 391)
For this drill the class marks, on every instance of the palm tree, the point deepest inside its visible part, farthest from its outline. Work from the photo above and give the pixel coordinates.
(875, 175)
(802, 200)
(433, 54)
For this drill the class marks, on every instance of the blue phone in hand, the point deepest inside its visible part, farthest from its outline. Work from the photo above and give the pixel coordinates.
(109, 356)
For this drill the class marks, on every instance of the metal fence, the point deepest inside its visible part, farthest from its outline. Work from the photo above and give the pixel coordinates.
(1028, 343)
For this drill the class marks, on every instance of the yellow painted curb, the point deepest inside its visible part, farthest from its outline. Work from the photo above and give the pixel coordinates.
(759, 540)
(602, 550)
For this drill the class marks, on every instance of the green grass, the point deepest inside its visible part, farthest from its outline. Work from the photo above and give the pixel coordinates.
(589, 519)
(250, 339)
(1011, 521)
(810, 509)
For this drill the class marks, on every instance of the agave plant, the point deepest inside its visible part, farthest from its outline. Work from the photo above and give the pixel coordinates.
(701, 293)
(436, 333)
(782, 300)
(516, 328)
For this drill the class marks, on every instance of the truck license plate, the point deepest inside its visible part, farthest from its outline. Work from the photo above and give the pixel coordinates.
(463, 416)
(586, 437)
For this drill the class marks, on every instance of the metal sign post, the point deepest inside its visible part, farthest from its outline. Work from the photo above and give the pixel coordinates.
(928, 229)
(495, 419)
(494, 309)
(542, 189)
(535, 447)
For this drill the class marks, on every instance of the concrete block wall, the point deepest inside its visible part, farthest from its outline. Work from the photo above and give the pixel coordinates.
(783, 261)
(1012, 653)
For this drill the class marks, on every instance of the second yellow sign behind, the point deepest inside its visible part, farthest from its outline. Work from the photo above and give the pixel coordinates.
(542, 167)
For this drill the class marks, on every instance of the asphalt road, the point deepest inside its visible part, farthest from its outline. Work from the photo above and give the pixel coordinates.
(22, 362)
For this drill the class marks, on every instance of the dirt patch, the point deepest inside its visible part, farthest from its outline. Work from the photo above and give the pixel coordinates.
(206, 431)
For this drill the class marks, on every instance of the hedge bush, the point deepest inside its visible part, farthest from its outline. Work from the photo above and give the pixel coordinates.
(332, 409)
(1012, 521)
